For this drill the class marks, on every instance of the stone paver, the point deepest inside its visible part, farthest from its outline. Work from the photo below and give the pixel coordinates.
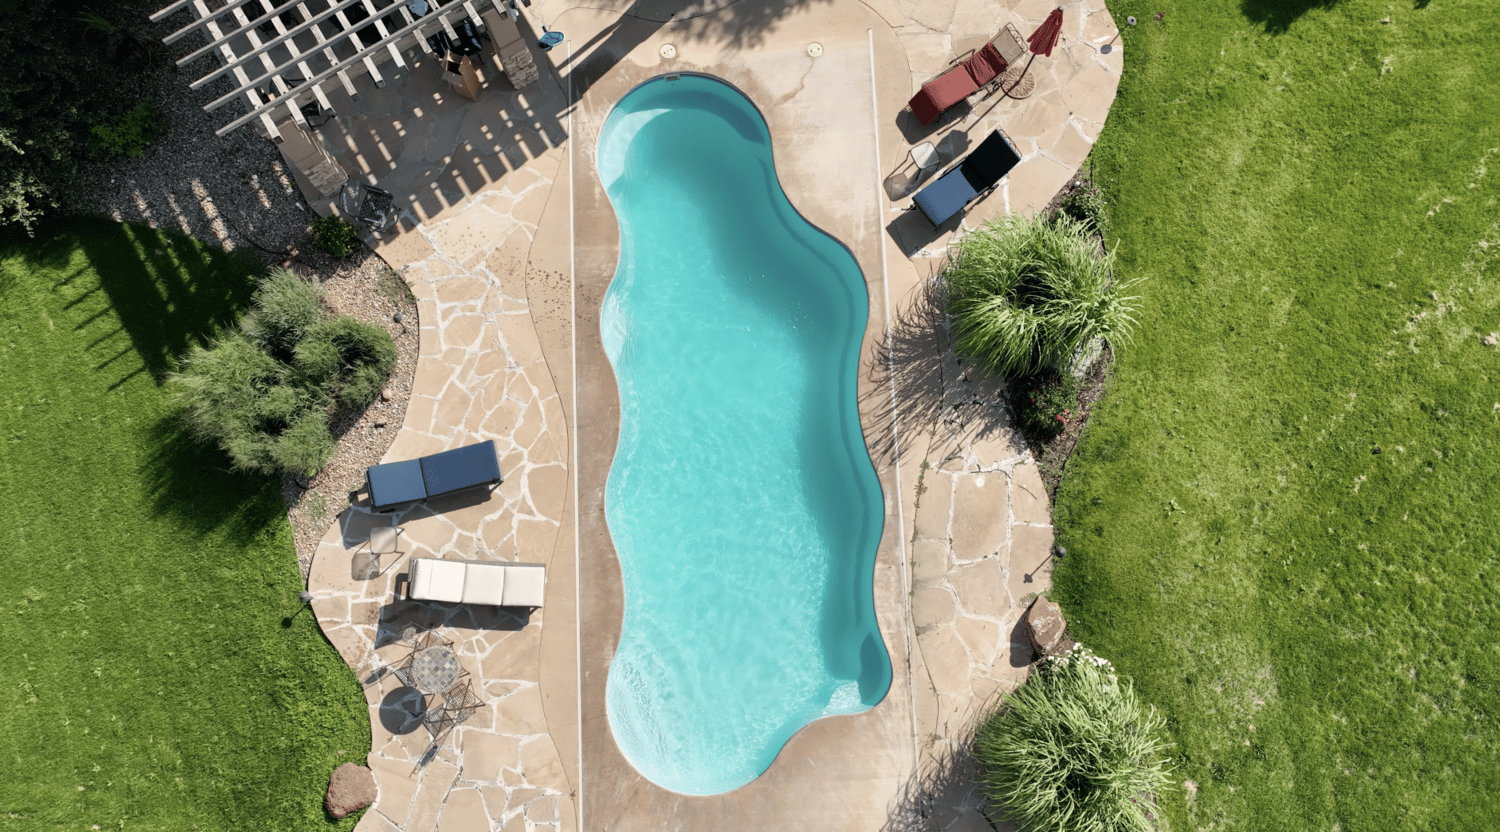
(480, 376)
(473, 182)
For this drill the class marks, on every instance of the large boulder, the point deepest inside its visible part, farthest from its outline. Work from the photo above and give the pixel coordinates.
(350, 789)
(1046, 628)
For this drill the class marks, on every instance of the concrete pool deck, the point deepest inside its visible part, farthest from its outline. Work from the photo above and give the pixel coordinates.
(509, 245)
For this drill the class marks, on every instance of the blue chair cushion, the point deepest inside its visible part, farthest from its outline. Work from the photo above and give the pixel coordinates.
(945, 197)
(461, 468)
(395, 482)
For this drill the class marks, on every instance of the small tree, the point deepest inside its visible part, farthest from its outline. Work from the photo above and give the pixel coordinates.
(265, 393)
(1074, 749)
(1025, 294)
(284, 308)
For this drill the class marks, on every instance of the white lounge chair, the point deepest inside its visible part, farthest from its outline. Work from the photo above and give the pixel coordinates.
(495, 583)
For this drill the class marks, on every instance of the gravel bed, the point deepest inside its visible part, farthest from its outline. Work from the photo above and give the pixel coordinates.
(236, 191)
(365, 288)
(233, 190)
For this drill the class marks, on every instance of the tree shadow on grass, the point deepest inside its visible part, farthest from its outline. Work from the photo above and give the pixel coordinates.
(1277, 16)
(165, 291)
(195, 485)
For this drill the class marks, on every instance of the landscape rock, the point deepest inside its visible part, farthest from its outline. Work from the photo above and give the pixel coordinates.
(1045, 627)
(350, 789)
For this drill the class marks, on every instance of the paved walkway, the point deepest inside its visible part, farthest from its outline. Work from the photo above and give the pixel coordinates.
(488, 248)
(480, 376)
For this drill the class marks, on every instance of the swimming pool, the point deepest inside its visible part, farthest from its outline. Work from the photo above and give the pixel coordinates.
(741, 500)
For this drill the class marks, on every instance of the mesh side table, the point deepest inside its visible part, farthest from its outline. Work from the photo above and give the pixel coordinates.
(925, 156)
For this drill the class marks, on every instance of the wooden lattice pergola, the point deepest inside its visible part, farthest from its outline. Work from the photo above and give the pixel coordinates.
(282, 53)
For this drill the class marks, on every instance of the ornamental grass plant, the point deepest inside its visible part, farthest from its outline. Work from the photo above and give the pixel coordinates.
(1026, 294)
(265, 393)
(1074, 750)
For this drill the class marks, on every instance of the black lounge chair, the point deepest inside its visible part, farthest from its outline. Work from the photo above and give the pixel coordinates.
(414, 480)
(976, 174)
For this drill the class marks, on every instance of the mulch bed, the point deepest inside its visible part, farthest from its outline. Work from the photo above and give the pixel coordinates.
(1052, 453)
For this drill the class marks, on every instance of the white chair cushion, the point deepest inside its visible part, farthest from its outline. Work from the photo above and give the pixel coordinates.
(484, 583)
(524, 585)
(437, 580)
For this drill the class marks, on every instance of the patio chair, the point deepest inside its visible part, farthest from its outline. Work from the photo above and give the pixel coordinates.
(958, 83)
(1009, 43)
(461, 700)
(368, 205)
(976, 174)
(383, 539)
(427, 638)
(402, 670)
(498, 584)
(459, 703)
(413, 480)
(439, 722)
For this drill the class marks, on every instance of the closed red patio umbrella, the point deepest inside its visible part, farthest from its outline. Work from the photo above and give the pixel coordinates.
(1042, 41)
(1045, 36)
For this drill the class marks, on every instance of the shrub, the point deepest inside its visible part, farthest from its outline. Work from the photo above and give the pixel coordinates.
(348, 359)
(305, 445)
(223, 388)
(264, 393)
(334, 235)
(1087, 205)
(129, 134)
(362, 386)
(59, 74)
(1074, 749)
(1044, 404)
(1025, 294)
(284, 308)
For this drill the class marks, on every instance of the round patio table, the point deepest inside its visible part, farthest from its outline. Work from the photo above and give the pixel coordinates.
(435, 669)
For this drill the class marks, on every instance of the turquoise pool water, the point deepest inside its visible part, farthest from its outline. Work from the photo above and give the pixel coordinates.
(741, 500)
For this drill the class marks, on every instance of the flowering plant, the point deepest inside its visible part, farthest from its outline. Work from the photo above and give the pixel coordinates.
(1045, 404)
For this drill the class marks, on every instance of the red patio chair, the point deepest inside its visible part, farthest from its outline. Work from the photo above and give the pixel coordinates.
(958, 83)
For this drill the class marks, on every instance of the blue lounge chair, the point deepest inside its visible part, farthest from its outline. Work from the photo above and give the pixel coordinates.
(977, 173)
(413, 480)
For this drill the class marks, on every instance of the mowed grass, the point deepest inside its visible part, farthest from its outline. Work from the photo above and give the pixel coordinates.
(1314, 199)
(151, 678)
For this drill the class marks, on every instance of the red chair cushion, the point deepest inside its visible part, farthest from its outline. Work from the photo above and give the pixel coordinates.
(985, 65)
(941, 93)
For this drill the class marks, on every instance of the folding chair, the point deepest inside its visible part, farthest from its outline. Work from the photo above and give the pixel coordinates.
(368, 205)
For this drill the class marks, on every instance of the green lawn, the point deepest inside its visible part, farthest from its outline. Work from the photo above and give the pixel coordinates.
(157, 671)
(1314, 198)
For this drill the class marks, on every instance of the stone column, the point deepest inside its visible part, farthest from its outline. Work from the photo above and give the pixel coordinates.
(515, 55)
(307, 155)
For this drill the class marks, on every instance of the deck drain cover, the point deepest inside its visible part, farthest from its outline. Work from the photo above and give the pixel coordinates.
(668, 50)
(814, 49)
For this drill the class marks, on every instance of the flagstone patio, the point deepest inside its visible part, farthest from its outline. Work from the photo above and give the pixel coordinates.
(507, 245)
